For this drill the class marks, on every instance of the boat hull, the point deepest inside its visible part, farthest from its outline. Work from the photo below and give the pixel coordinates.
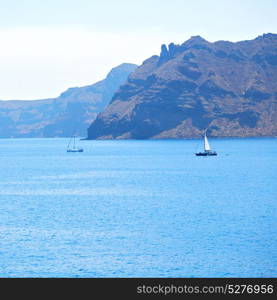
(75, 150)
(206, 154)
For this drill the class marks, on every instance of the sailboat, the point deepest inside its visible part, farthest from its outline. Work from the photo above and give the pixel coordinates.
(207, 149)
(74, 148)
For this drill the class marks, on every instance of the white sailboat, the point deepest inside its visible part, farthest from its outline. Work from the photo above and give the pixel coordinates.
(74, 148)
(207, 148)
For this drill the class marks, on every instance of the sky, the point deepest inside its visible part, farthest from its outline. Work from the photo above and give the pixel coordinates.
(47, 46)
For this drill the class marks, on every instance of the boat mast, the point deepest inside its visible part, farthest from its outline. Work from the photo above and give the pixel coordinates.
(69, 142)
(206, 143)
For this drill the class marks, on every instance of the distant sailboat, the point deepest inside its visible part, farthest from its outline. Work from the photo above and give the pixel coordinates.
(74, 148)
(207, 149)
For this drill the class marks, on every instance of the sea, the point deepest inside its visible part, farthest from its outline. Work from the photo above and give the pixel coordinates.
(138, 208)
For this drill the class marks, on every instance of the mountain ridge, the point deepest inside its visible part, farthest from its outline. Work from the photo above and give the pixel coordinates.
(229, 87)
(72, 111)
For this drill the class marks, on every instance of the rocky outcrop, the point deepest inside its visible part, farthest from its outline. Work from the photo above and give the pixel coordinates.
(227, 87)
(72, 112)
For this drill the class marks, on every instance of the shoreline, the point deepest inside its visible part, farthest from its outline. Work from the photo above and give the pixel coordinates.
(167, 139)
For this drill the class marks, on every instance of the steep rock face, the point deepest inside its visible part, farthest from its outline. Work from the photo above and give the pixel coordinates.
(227, 87)
(72, 111)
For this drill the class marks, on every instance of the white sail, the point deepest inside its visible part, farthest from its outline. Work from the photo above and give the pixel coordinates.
(206, 144)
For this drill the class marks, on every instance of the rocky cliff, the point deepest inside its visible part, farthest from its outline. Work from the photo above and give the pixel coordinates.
(229, 88)
(72, 111)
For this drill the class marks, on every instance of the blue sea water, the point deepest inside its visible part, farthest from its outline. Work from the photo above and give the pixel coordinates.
(138, 209)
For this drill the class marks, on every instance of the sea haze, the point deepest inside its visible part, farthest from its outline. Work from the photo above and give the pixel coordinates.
(138, 209)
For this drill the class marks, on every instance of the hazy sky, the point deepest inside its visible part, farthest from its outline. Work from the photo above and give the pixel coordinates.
(47, 46)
